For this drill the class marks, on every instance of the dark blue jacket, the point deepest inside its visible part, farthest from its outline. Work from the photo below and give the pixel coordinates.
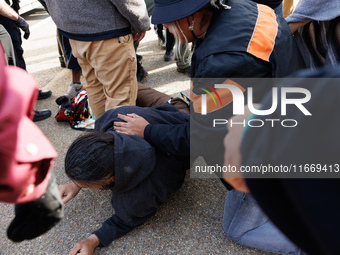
(246, 41)
(230, 50)
(305, 207)
(144, 176)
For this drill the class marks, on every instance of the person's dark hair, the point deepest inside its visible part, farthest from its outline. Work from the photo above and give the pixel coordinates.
(90, 158)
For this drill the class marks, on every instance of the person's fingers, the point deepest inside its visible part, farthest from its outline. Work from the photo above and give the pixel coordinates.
(296, 25)
(139, 36)
(118, 127)
(119, 124)
(75, 249)
(125, 133)
(61, 190)
(66, 198)
(123, 117)
(238, 184)
(121, 129)
(126, 118)
(63, 194)
(132, 115)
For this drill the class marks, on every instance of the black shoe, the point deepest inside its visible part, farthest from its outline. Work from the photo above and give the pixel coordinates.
(168, 55)
(43, 94)
(141, 73)
(186, 70)
(41, 115)
(161, 43)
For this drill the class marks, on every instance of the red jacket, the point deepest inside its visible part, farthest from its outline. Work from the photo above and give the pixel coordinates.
(26, 155)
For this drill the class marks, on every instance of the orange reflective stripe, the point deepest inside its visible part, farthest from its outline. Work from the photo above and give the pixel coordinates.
(262, 42)
(213, 102)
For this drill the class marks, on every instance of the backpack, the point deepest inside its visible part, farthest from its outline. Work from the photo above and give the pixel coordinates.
(76, 110)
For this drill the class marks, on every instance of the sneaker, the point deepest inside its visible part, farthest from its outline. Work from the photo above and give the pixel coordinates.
(74, 88)
(168, 55)
(142, 75)
(43, 94)
(161, 43)
(186, 70)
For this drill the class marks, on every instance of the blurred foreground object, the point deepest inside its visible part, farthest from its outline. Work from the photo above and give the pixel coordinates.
(26, 156)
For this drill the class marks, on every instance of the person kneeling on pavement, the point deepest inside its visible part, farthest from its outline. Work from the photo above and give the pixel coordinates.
(139, 176)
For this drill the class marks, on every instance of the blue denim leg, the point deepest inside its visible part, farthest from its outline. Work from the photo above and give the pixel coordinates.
(246, 224)
(279, 11)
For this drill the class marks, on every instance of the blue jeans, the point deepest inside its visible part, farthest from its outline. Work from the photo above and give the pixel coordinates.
(279, 11)
(246, 224)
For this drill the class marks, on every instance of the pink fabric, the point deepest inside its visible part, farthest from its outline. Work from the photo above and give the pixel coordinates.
(26, 155)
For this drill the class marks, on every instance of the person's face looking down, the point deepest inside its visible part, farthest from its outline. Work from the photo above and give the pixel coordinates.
(102, 184)
(191, 27)
(180, 30)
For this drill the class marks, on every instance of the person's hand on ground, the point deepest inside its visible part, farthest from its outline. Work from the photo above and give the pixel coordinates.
(132, 125)
(68, 191)
(86, 246)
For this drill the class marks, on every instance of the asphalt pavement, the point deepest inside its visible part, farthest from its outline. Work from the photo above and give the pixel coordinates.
(190, 222)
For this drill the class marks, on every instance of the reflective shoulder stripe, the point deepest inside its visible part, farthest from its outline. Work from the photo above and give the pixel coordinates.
(215, 99)
(262, 42)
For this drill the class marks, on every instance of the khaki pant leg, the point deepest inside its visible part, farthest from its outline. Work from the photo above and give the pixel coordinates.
(94, 87)
(288, 7)
(147, 97)
(114, 66)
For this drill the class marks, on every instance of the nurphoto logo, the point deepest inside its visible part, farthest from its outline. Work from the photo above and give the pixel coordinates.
(238, 104)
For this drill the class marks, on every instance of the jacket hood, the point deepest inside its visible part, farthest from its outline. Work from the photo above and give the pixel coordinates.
(134, 157)
(134, 160)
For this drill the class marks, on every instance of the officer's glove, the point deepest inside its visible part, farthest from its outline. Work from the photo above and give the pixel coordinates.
(21, 22)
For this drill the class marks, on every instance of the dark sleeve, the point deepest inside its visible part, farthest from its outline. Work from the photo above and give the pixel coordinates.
(172, 139)
(135, 12)
(115, 227)
(271, 3)
(293, 204)
(132, 209)
(204, 138)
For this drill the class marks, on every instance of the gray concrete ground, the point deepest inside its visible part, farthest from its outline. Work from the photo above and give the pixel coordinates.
(190, 222)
